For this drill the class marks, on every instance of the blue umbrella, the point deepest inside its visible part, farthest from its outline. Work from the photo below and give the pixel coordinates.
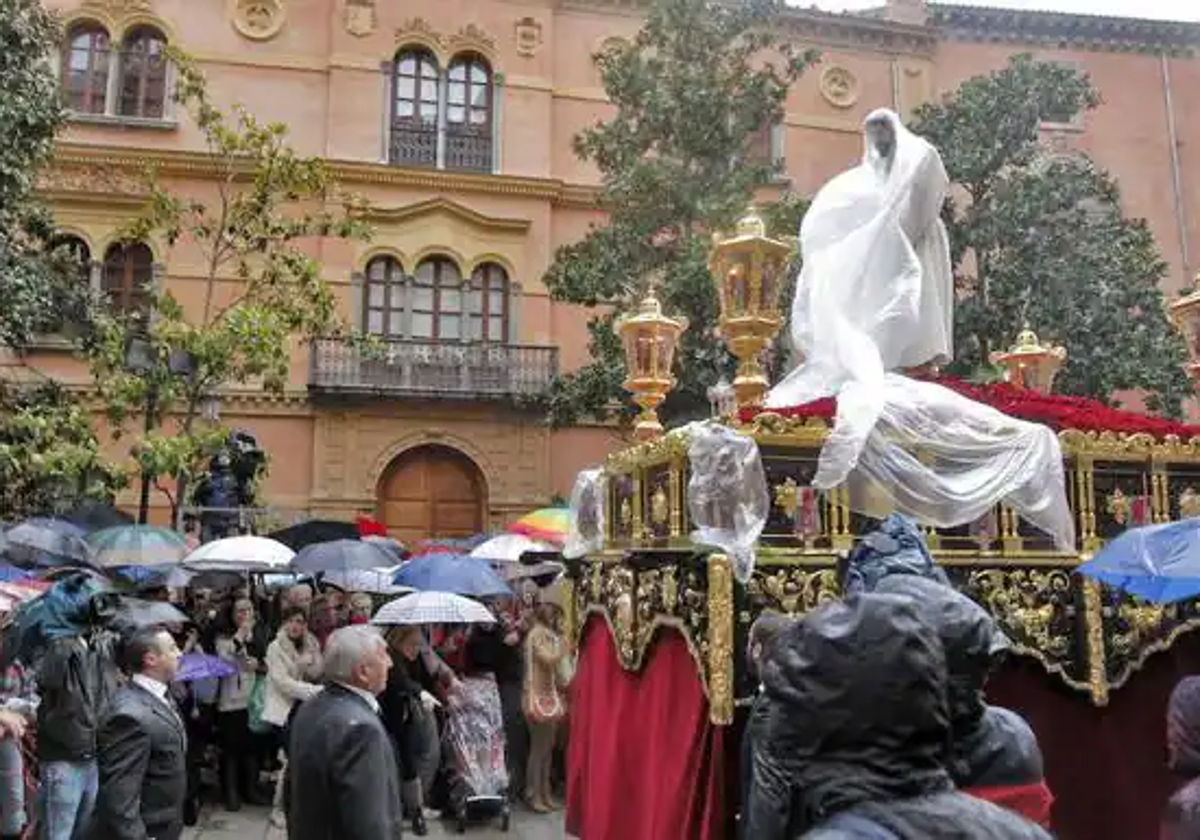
(458, 574)
(1159, 563)
(136, 545)
(341, 556)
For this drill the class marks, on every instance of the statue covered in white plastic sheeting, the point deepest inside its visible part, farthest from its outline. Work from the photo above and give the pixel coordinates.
(585, 519)
(876, 291)
(876, 295)
(727, 493)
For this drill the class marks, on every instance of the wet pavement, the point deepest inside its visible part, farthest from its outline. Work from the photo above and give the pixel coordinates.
(253, 824)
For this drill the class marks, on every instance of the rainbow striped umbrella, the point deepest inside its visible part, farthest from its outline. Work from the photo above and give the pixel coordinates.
(546, 524)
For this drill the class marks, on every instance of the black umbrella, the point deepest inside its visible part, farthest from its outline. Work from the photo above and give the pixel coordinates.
(47, 542)
(297, 537)
(341, 556)
(96, 516)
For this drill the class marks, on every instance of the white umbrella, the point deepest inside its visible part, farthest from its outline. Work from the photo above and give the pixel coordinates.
(520, 571)
(373, 581)
(240, 554)
(508, 548)
(433, 608)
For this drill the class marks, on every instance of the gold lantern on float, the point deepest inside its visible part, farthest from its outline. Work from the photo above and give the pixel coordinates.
(649, 338)
(1185, 314)
(748, 268)
(1029, 363)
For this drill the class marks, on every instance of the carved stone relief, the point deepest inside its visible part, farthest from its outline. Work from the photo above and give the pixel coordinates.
(258, 20)
(360, 17)
(90, 179)
(117, 8)
(839, 86)
(528, 33)
(468, 38)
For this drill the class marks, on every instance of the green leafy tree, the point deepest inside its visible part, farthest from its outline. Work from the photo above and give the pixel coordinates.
(263, 290)
(39, 288)
(699, 80)
(50, 459)
(1041, 239)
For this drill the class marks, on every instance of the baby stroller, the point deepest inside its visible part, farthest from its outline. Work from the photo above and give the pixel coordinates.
(473, 747)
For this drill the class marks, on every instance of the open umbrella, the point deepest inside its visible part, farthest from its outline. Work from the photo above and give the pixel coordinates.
(202, 666)
(136, 612)
(136, 545)
(371, 581)
(547, 524)
(298, 536)
(341, 555)
(447, 545)
(1159, 563)
(47, 542)
(544, 573)
(457, 573)
(390, 544)
(508, 548)
(96, 516)
(240, 554)
(432, 608)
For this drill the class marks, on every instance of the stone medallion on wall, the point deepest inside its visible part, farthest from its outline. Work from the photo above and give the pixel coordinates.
(839, 86)
(360, 17)
(258, 20)
(528, 34)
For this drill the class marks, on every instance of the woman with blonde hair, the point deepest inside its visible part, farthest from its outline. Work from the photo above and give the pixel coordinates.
(545, 703)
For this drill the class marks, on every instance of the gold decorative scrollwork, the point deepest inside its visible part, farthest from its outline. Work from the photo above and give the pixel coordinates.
(768, 426)
(661, 450)
(791, 589)
(1027, 601)
(720, 640)
(1142, 621)
(1093, 618)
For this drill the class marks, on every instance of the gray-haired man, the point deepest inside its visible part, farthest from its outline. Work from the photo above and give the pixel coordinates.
(342, 771)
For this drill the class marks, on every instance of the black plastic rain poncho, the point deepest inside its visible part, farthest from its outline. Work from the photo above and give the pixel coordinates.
(1181, 818)
(858, 726)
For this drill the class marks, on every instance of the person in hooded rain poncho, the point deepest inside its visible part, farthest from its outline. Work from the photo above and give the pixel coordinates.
(839, 764)
(996, 755)
(1181, 818)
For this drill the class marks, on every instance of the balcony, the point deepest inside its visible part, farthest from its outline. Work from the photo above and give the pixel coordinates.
(403, 368)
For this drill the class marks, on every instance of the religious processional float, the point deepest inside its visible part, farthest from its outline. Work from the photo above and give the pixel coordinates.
(678, 543)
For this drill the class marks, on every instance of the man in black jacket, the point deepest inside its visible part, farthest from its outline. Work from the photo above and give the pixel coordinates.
(857, 738)
(75, 685)
(143, 747)
(342, 770)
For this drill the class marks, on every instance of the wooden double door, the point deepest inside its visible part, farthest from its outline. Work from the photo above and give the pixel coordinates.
(432, 491)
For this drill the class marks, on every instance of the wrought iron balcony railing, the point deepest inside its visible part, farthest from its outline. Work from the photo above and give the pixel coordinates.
(432, 369)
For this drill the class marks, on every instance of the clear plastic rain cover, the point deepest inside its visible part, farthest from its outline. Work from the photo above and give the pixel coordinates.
(727, 493)
(585, 521)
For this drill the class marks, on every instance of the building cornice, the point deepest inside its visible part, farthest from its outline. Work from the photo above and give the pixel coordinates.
(106, 165)
(1066, 31)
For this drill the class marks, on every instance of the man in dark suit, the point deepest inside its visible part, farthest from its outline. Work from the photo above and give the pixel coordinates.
(342, 773)
(142, 748)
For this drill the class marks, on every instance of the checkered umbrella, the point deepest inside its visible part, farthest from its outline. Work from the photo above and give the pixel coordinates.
(432, 608)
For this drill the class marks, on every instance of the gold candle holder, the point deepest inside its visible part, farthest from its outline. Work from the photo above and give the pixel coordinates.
(1029, 363)
(1185, 315)
(650, 339)
(748, 268)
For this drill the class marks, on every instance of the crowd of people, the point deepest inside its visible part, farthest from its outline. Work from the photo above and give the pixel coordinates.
(344, 728)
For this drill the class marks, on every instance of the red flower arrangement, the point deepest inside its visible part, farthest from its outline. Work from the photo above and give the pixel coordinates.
(1057, 412)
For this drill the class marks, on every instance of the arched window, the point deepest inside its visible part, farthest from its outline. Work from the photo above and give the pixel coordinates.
(128, 276)
(487, 304)
(437, 301)
(385, 298)
(143, 74)
(78, 252)
(85, 68)
(469, 114)
(415, 100)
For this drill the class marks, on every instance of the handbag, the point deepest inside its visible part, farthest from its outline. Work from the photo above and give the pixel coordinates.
(254, 708)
